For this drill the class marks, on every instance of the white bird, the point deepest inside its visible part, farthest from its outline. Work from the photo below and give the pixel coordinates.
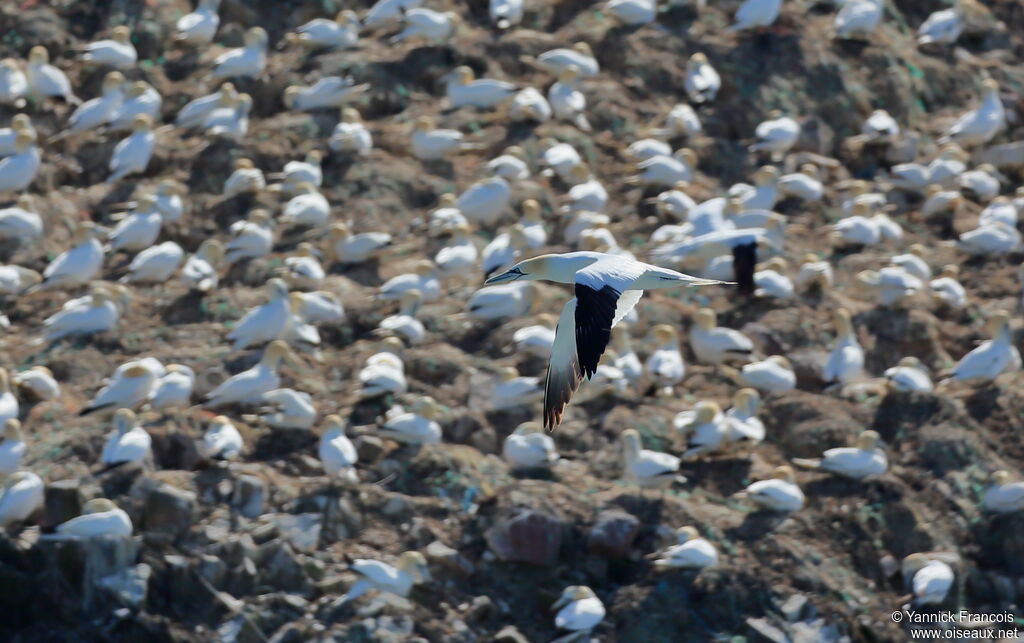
(560, 158)
(132, 154)
(288, 409)
(118, 51)
(307, 209)
(744, 425)
(632, 13)
(579, 610)
(100, 518)
(981, 182)
(665, 364)
(196, 111)
(777, 135)
(580, 55)
(666, 170)
(529, 447)
(100, 110)
(168, 200)
(908, 375)
(646, 148)
(99, 316)
(347, 248)
(648, 469)
(512, 390)
(772, 375)
(947, 288)
(914, 262)
(22, 496)
(1001, 210)
(248, 387)
(155, 264)
(200, 26)
(510, 165)
(778, 493)
(19, 170)
(813, 272)
(756, 13)
(433, 26)
(137, 231)
(713, 344)
(423, 278)
(20, 222)
(845, 362)
(990, 239)
(939, 201)
(704, 427)
(266, 322)
(803, 184)
(505, 13)
(173, 389)
(337, 453)
(501, 301)
(991, 357)
(330, 91)
(459, 256)
(771, 280)
(45, 80)
(880, 126)
(892, 285)
(682, 120)
(503, 250)
(296, 173)
(537, 340)
(858, 19)
(702, 81)
(20, 123)
(463, 89)
(607, 287)
(416, 427)
(229, 120)
(130, 385)
(588, 194)
(351, 135)
(1002, 496)
(626, 360)
(979, 126)
(14, 279)
(247, 61)
(404, 323)
(321, 33)
(690, 552)
(12, 447)
(39, 382)
(128, 442)
(222, 441)
(303, 270)
(13, 84)
(200, 270)
(930, 580)
(429, 144)
(567, 101)
(373, 574)
(251, 238)
(528, 104)
(485, 201)
(944, 27)
(385, 11)
(384, 372)
(317, 307)
(857, 462)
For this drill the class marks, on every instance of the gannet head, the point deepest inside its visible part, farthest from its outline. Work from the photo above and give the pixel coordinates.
(663, 334)
(997, 322)
(687, 156)
(124, 420)
(785, 472)
(12, 428)
(911, 362)
(867, 440)
(809, 169)
(748, 399)
(686, 534)
(427, 407)
(414, 564)
(705, 412)
(842, 321)
(16, 477)
(526, 428)
(23, 140)
(350, 115)
(346, 17)
(990, 85)
(423, 124)
(463, 75)
(98, 505)
(138, 88)
(705, 319)
(291, 94)
(583, 48)
(569, 75)
(333, 426)
(338, 231)
(113, 80)
(781, 360)
(142, 123)
(698, 58)
(20, 122)
(630, 439)
(276, 352)
(571, 594)
(531, 210)
(38, 55)
(447, 200)
(212, 250)
(256, 37)
(914, 563)
(529, 270)
(950, 270)
(1000, 478)
(766, 175)
(121, 34)
(8, 64)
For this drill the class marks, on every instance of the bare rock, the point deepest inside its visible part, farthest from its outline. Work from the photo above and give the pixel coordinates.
(449, 558)
(249, 495)
(302, 531)
(527, 536)
(281, 569)
(613, 534)
(168, 511)
(510, 634)
(63, 502)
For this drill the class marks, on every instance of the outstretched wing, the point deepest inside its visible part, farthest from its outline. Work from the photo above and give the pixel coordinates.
(564, 373)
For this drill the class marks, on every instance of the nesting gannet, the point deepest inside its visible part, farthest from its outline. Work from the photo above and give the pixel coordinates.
(579, 611)
(914, 262)
(404, 322)
(230, 119)
(756, 13)
(588, 194)
(666, 170)
(322, 33)
(529, 447)
(632, 13)
(648, 469)
(15, 279)
(690, 552)
(879, 127)
(744, 425)
(528, 104)
(307, 209)
(505, 13)
(317, 307)
(429, 144)
(537, 339)
(857, 462)
(155, 264)
(20, 222)
(20, 123)
(504, 249)
(19, 170)
(246, 178)
(713, 344)
(803, 184)
(772, 375)
(100, 517)
(463, 89)
(908, 375)
(929, 579)
(982, 182)
(777, 135)
(129, 442)
(251, 238)
(200, 270)
(137, 231)
(416, 427)
(1002, 496)
(222, 441)
(12, 447)
(512, 390)
(350, 134)
(846, 360)
(704, 427)
(944, 27)
(702, 81)
(117, 51)
(247, 61)
(501, 301)
(607, 287)
(100, 316)
(647, 148)
(1002, 210)
(38, 382)
(892, 285)
(991, 357)
(385, 11)
(947, 288)
(771, 280)
(21, 496)
(249, 386)
(132, 154)
(858, 229)
(331, 91)
(266, 322)
(510, 165)
(195, 112)
(938, 201)
(945, 169)
(384, 372)
(554, 61)
(665, 364)
(459, 256)
(45, 80)
(979, 126)
(990, 239)
(337, 453)
(347, 248)
(560, 158)
(131, 384)
(174, 388)
(485, 201)
(168, 200)
(778, 493)
(373, 574)
(13, 84)
(858, 19)
(567, 102)
(433, 26)
(287, 408)
(626, 359)
(200, 26)
(423, 278)
(100, 110)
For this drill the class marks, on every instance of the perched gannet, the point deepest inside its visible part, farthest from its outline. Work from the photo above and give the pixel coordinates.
(385, 11)
(286, 408)
(503, 250)
(857, 462)
(416, 427)
(990, 239)
(713, 344)
(892, 285)
(771, 280)
(38, 382)
(588, 193)
(337, 453)
(944, 27)
(251, 238)
(100, 517)
(554, 61)
(626, 359)
(929, 579)
(137, 231)
(979, 126)
(560, 158)
(513, 390)
(464, 90)
(249, 386)
(777, 135)
(15, 279)
(20, 222)
(756, 13)
(132, 154)
(347, 248)
(1002, 495)
(200, 26)
(19, 170)
(914, 262)
(908, 375)
(505, 13)
(117, 51)
(702, 81)
(429, 144)
(665, 364)
(423, 278)
(321, 33)
(331, 91)
(880, 126)
(12, 447)
(13, 84)
(510, 165)
(537, 339)
(778, 493)
(222, 441)
(501, 301)
(858, 229)
(247, 61)
(21, 496)
(1002, 210)
(632, 13)
(647, 148)
(404, 323)
(266, 322)
(373, 574)
(945, 169)
(433, 26)
(529, 447)
(246, 178)
(131, 385)
(384, 372)
(129, 442)
(485, 201)
(567, 102)
(296, 173)
(648, 469)
(174, 388)
(317, 307)
(947, 288)
(772, 375)
(744, 425)
(350, 134)
(303, 270)
(229, 120)
(200, 270)
(155, 264)
(45, 80)
(528, 104)
(98, 111)
(982, 182)
(803, 184)
(607, 287)
(938, 201)
(307, 209)
(690, 552)
(858, 19)
(20, 123)
(168, 200)
(666, 170)
(991, 357)
(100, 316)
(459, 256)
(704, 427)
(195, 112)
(846, 360)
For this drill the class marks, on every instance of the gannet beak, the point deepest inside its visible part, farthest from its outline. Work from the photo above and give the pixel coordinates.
(560, 603)
(508, 275)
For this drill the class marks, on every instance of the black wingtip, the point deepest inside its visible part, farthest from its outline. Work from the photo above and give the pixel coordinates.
(744, 262)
